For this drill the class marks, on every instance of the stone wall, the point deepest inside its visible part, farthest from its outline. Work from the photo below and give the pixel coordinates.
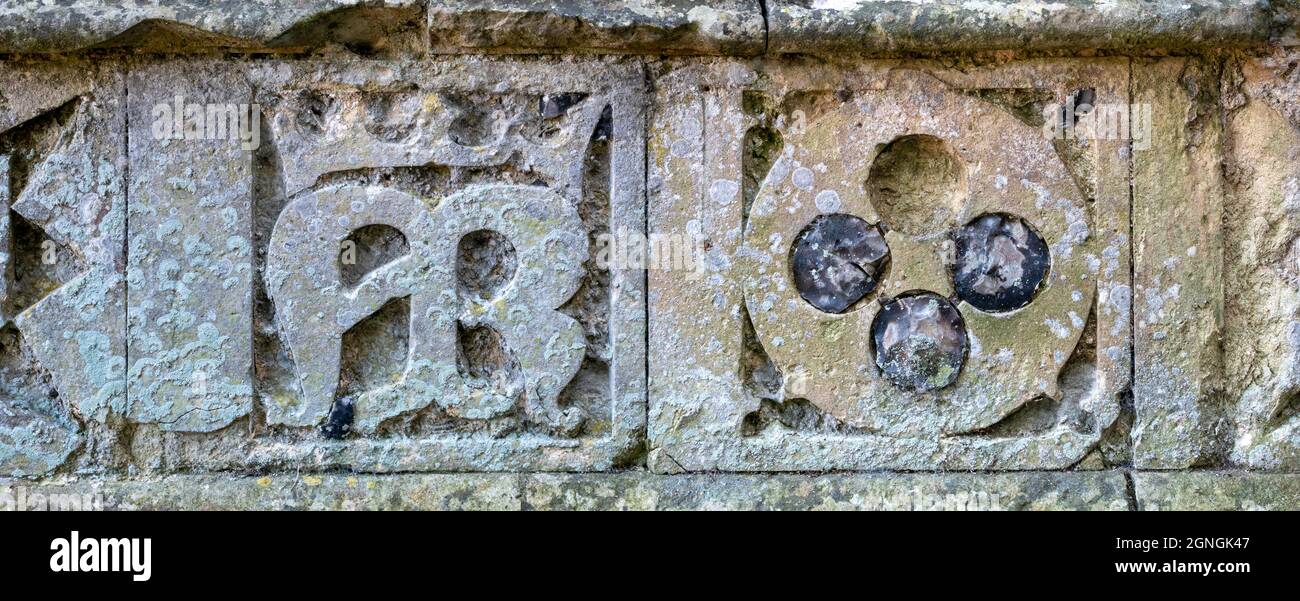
(654, 254)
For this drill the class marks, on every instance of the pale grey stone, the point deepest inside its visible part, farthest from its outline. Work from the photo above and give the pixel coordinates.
(741, 27)
(443, 348)
(326, 492)
(1216, 491)
(35, 86)
(630, 491)
(493, 314)
(653, 26)
(315, 308)
(76, 195)
(31, 442)
(1023, 491)
(189, 275)
(207, 25)
(63, 357)
(876, 27)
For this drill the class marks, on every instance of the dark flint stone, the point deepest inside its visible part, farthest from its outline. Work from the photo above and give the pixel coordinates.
(920, 342)
(838, 260)
(1001, 263)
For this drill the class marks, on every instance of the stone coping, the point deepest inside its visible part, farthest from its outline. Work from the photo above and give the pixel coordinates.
(1109, 490)
(656, 27)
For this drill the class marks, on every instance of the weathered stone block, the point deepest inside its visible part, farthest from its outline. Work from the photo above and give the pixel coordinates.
(408, 492)
(733, 27)
(426, 287)
(1217, 265)
(627, 491)
(748, 375)
(62, 317)
(885, 27)
(1216, 491)
(369, 28)
(410, 236)
(190, 256)
(1037, 491)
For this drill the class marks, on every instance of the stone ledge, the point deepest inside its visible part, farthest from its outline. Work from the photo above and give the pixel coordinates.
(623, 491)
(728, 27)
(876, 26)
(1216, 491)
(383, 27)
(1033, 491)
(673, 27)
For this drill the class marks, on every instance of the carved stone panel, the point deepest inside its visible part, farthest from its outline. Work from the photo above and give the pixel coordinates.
(904, 267)
(426, 283)
(62, 234)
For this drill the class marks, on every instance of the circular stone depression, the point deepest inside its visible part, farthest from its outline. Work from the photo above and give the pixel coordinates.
(838, 260)
(920, 341)
(1001, 263)
(915, 183)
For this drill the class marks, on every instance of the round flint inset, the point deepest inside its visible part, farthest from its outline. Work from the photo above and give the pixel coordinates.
(920, 342)
(1001, 263)
(837, 260)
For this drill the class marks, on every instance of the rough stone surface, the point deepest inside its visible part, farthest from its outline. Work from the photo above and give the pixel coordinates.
(389, 26)
(326, 492)
(62, 261)
(1217, 340)
(885, 27)
(315, 309)
(1261, 286)
(736, 27)
(1035, 392)
(541, 254)
(733, 27)
(1216, 491)
(1037, 491)
(190, 254)
(630, 491)
(428, 288)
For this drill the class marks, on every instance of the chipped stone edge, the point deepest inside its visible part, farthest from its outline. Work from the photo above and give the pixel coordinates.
(634, 490)
(722, 27)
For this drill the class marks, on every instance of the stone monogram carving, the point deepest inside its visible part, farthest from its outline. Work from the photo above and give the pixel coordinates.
(316, 308)
(427, 293)
(245, 332)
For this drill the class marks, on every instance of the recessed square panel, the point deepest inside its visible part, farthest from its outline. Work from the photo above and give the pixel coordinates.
(903, 267)
(426, 289)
